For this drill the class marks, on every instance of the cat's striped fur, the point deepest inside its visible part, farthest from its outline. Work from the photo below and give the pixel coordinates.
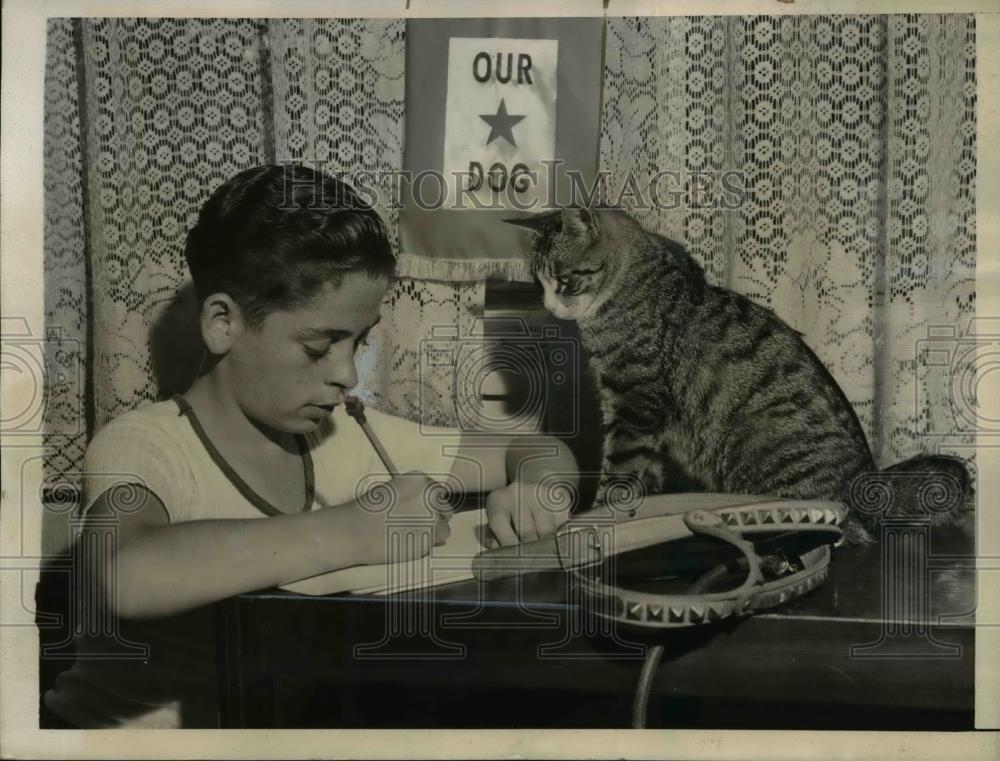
(702, 376)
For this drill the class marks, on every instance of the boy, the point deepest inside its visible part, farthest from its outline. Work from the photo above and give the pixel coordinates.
(290, 269)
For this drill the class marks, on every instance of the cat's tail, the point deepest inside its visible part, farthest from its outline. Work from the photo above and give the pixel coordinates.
(932, 488)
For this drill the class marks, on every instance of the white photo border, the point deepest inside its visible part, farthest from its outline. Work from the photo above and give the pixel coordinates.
(21, 289)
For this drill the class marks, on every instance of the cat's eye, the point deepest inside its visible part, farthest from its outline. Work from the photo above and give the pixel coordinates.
(583, 272)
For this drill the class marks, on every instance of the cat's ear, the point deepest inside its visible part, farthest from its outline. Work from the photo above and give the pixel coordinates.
(537, 223)
(582, 222)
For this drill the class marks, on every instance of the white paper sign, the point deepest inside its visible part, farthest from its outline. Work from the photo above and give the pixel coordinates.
(500, 122)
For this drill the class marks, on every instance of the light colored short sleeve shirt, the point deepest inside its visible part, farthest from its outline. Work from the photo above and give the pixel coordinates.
(163, 448)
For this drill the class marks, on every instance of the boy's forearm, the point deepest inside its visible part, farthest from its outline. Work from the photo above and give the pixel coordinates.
(172, 568)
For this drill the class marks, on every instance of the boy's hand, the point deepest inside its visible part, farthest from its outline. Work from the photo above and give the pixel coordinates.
(409, 503)
(525, 511)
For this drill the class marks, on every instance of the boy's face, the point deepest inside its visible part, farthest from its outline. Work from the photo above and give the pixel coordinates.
(298, 365)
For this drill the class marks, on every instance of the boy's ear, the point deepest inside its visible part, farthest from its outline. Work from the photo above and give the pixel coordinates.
(221, 320)
(534, 222)
(581, 222)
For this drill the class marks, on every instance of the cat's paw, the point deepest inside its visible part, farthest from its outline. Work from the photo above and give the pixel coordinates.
(855, 533)
(622, 493)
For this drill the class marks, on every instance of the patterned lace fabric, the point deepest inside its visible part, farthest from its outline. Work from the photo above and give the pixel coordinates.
(855, 138)
(398, 371)
(171, 108)
(338, 89)
(66, 297)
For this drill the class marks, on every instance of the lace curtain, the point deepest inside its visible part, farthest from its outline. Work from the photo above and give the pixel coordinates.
(338, 94)
(144, 117)
(855, 136)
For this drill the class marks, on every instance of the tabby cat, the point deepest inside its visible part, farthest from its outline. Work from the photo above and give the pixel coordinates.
(698, 376)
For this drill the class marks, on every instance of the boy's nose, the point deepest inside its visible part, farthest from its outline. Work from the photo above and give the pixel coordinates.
(342, 372)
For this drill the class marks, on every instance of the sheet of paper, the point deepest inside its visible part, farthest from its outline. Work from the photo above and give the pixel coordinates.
(450, 562)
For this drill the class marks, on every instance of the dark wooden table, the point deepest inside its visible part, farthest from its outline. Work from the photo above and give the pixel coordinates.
(886, 643)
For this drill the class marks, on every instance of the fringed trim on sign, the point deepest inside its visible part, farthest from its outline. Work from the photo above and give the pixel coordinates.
(462, 270)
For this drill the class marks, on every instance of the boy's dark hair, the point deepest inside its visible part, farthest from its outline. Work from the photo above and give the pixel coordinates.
(272, 236)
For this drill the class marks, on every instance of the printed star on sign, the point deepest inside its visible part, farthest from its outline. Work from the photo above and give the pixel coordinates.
(501, 124)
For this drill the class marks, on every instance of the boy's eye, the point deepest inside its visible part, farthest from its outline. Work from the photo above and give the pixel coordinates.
(316, 351)
(319, 350)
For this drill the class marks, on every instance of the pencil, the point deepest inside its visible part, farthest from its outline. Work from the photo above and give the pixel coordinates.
(356, 409)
